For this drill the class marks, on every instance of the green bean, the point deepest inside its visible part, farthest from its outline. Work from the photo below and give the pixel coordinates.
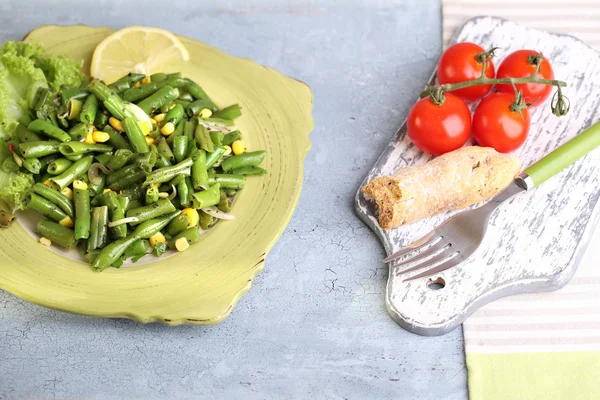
(77, 148)
(165, 108)
(229, 138)
(135, 135)
(159, 98)
(125, 177)
(224, 204)
(32, 165)
(124, 202)
(174, 75)
(184, 98)
(159, 249)
(45, 207)
(251, 159)
(178, 225)
(166, 174)
(228, 181)
(230, 192)
(205, 220)
(113, 251)
(89, 110)
(180, 148)
(79, 132)
(152, 194)
(74, 93)
(83, 217)
(207, 198)
(146, 161)
(199, 173)
(180, 130)
(110, 99)
(63, 123)
(48, 129)
(216, 138)
(119, 159)
(174, 115)
(103, 158)
(192, 235)
(135, 193)
(74, 157)
(212, 158)
(159, 76)
(203, 138)
(126, 81)
(143, 91)
(137, 250)
(39, 149)
(74, 107)
(116, 139)
(119, 86)
(232, 112)
(177, 180)
(251, 170)
(58, 234)
(196, 106)
(98, 228)
(164, 149)
(25, 135)
(47, 160)
(162, 162)
(195, 89)
(115, 213)
(97, 188)
(161, 207)
(101, 120)
(77, 169)
(184, 193)
(55, 197)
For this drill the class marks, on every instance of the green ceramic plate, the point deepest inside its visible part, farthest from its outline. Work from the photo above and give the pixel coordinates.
(202, 285)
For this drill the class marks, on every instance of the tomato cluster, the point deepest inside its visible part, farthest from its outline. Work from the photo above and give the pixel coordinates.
(442, 124)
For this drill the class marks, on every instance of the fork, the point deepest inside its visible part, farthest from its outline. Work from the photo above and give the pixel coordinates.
(456, 239)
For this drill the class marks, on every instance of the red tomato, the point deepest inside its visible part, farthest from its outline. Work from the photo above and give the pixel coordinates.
(439, 129)
(458, 64)
(516, 65)
(496, 125)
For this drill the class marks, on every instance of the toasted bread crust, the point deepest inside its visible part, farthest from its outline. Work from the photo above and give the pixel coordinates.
(452, 181)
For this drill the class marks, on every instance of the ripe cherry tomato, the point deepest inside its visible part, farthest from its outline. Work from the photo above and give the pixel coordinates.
(459, 64)
(517, 65)
(496, 125)
(439, 129)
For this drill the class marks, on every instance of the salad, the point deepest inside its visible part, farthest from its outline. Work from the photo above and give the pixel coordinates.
(142, 165)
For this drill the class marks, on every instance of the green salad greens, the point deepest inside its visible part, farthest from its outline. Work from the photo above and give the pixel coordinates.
(24, 69)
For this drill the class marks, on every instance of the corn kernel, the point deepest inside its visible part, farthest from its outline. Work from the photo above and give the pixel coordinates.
(238, 147)
(67, 222)
(100, 137)
(44, 241)
(89, 138)
(18, 160)
(137, 84)
(146, 80)
(227, 150)
(149, 140)
(182, 244)
(192, 216)
(48, 183)
(172, 106)
(79, 184)
(106, 190)
(167, 129)
(157, 238)
(160, 117)
(145, 127)
(205, 113)
(115, 123)
(67, 192)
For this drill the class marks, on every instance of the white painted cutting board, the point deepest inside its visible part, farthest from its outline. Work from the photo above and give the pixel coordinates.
(536, 239)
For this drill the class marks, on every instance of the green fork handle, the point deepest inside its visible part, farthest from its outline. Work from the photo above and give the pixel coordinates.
(562, 157)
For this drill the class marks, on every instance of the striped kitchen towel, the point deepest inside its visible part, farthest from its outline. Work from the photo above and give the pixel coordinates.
(543, 345)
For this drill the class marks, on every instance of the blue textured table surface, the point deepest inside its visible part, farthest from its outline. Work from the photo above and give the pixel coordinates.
(314, 324)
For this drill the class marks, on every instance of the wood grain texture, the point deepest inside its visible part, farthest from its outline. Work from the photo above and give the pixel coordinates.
(535, 239)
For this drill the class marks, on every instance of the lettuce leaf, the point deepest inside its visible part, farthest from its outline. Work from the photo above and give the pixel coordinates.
(24, 69)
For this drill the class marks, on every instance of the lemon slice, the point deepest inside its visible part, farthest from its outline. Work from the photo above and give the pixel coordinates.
(136, 49)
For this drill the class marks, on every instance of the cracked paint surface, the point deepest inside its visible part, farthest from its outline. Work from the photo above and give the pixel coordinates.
(314, 324)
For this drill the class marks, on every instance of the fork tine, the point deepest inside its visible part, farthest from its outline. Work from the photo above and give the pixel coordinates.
(416, 245)
(439, 257)
(454, 261)
(439, 245)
